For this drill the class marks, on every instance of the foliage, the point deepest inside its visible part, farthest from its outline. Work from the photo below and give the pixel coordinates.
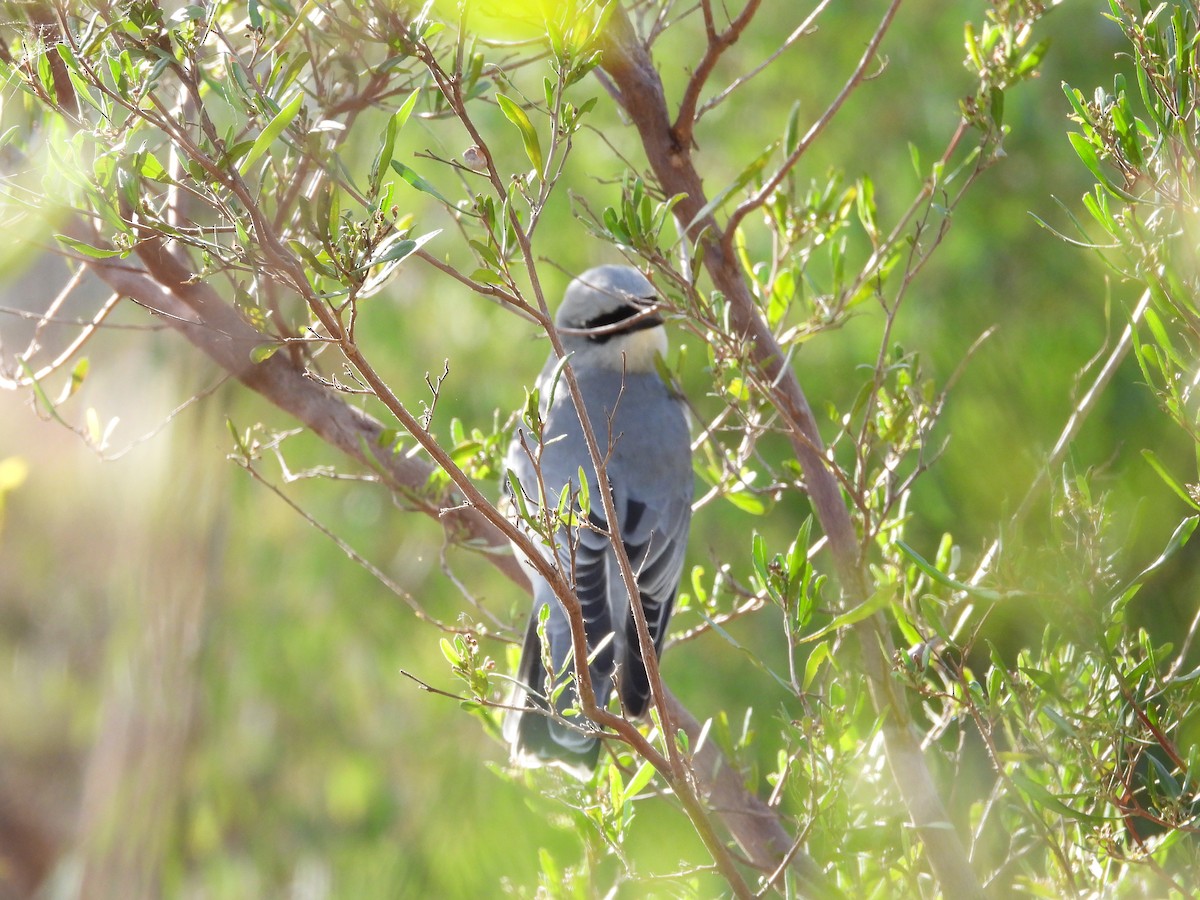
(329, 199)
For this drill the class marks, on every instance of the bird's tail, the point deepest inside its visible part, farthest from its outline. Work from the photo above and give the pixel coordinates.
(536, 735)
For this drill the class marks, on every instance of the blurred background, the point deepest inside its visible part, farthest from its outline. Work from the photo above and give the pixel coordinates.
(199, 689)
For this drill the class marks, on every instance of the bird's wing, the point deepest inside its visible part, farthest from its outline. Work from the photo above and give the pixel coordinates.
(649, 471)
(654, 533)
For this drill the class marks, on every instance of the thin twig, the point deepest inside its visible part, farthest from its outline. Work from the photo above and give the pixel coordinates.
(718, 43)
(627, 62)
(856, 78)
(802, 29)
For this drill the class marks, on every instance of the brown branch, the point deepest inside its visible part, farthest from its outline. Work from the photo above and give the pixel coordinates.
(197, 312)
(671, 764)
(805, 27)
(628, 64)
(718, 43)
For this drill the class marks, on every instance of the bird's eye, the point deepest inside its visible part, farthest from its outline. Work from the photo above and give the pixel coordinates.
(609, 325)
(612, 317)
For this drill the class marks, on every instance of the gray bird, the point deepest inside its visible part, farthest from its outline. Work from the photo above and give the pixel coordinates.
(612, 335)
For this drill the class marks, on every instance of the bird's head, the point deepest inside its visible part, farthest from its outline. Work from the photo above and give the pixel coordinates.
(610, 317)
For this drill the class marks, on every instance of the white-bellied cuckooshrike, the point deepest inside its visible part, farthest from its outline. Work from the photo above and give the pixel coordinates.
(611, 330)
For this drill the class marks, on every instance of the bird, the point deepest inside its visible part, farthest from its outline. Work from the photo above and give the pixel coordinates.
(613, 336)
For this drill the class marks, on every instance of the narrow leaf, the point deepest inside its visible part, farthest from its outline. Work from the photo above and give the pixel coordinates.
(942, 578)
(263, 352)
(406, 109)
(273, 129)
(1178, 539)
(1169, 479)
(418, 182)
(819, 655)
(1042, 797)
(866, 609)
(88, 249)
(640, 779)
(516, 115)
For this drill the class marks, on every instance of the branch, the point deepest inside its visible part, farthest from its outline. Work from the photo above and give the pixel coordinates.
(805, 27)
(165, 283)
(212, 326)
(669, 764)
(628, 64)
(685, 121)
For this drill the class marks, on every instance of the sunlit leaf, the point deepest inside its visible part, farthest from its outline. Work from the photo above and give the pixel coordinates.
(529, 136)
(273, 130)
(418, 182)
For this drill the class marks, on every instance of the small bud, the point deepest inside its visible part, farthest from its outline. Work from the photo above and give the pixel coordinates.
(474, 158)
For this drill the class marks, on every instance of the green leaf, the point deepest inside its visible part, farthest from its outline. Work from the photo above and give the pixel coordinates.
(486, 276)
(88, 249)
(640, 779)
(40, 393)
(312, 259)
(1086, 151)
(418, 182)
(388, 140)
(405, 110)
(819, 655)
(273, 129)
(996, 106)
(150, 167)
(915, 155)
(451, 653)
(78, 374)
(516, 115)
(1033, 58)
(585, 495)
(400, 249)
(256, 21)
(759, 557)
(517, 495)
(791, 136)
(746, 502)
(1179, 489)
(942, 578)
(864, 610)
(1165, 778)
(263, 352)
(383, 159)
(1180, 537)
(1042, 797)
